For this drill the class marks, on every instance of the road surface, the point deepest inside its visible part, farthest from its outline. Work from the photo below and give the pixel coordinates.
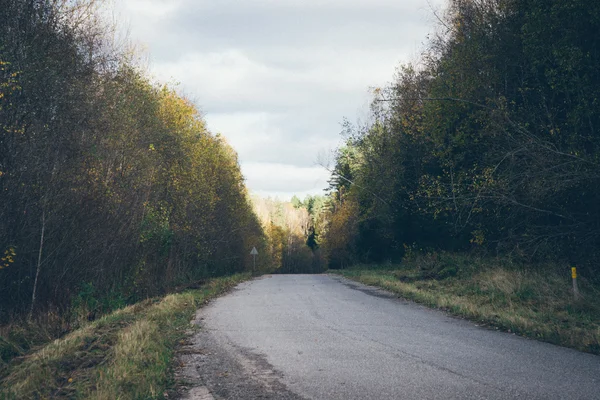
(323, 337)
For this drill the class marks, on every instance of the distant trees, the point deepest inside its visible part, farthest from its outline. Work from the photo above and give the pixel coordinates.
(491, 142)
(106, 180)
(292, 233)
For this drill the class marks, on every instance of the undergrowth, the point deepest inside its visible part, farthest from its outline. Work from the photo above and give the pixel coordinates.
(19, 335)
(124, 355)
(532, 301)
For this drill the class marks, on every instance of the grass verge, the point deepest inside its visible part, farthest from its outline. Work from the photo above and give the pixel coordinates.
(530, 301)
(124, 355)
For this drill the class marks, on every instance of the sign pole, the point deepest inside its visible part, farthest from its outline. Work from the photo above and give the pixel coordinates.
(575, 287)
(254, 253)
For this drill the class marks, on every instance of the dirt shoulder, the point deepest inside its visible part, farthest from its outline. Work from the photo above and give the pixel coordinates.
(209, 367)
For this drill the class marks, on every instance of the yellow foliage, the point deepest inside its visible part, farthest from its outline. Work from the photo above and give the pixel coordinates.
(478, 237)
(341, 232)
(9, 257)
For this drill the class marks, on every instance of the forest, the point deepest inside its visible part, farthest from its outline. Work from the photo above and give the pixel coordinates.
(291, 229)
(472, 187)
(489, 142)
(112, 188)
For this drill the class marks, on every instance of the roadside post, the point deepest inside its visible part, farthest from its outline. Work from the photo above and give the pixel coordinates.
(575, 288)
(254, 253)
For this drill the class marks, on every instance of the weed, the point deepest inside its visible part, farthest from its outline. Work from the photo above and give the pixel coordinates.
(126, 354)
(529, 300)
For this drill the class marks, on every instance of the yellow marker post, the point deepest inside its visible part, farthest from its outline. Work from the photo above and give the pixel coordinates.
(575, 288)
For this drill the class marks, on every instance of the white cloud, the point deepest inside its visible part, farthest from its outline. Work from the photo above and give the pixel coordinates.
(276, 77)
(152, 8)
(276, 138)
(284, 179)
(233, 81)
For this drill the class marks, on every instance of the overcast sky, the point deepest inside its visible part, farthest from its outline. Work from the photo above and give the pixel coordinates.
(277, 77)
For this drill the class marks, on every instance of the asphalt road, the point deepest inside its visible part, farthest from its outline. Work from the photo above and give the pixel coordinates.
(322, 337)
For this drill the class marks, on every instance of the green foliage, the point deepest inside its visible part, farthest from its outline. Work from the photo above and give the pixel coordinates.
(491, 144)
(296, 202)
(111, 187)
(155, 229)
(85, 303)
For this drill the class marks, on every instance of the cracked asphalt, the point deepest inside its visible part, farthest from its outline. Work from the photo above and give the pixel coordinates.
(323, 337)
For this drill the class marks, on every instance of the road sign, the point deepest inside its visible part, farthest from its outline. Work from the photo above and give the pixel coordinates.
(254, 253)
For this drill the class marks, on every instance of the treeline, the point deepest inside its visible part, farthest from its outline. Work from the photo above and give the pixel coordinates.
(291, 229)
(489, 141)
(111, 187)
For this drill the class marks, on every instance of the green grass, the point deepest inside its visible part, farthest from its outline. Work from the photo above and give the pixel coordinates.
(124, 355)
(536, 302)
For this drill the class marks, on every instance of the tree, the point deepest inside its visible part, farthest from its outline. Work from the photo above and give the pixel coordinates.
(491, 143)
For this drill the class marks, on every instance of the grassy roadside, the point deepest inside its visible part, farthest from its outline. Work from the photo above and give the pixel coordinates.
(126, 354)
(532, 302)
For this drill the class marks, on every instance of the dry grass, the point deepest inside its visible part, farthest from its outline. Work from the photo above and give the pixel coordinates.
(140, 362)
(524, 301)
(138, 357)
(125, 355)
(52, 370)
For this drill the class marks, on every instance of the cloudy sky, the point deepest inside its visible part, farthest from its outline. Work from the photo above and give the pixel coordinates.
(277, 77)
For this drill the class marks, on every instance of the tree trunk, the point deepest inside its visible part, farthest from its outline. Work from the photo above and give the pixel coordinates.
(39, 265)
